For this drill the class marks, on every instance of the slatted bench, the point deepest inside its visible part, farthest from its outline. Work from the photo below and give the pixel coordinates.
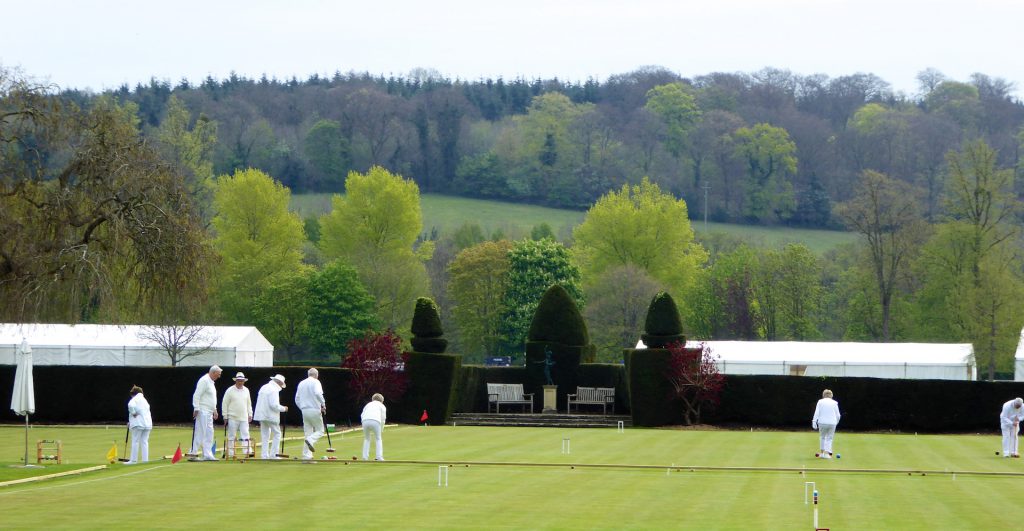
(597, 396)
(498, 394)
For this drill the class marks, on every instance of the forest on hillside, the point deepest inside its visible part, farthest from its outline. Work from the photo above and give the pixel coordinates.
(768, 147)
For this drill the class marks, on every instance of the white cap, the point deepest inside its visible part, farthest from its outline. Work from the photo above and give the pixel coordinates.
(279, 379)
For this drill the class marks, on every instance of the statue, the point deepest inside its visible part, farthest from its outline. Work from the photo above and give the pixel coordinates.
(548, 362)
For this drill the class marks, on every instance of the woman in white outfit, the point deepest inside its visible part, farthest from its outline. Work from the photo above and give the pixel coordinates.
(140, 424)
(374, 416)
(826, 418)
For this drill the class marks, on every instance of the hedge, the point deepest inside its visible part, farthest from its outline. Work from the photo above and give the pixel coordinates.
(431, 388)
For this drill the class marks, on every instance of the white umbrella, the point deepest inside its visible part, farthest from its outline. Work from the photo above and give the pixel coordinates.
(23, 399)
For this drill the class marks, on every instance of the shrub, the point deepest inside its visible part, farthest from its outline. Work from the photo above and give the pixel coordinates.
(558, 320)
(663, 325)
(695, 378)
(378, 366)
(426, 328)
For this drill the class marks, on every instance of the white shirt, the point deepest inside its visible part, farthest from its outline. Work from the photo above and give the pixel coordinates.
(205, 397)
(268, 403)
(237, 404)
(138, 412)
(826, 412)
(1011, 414)
(374, 411)
(309, 394)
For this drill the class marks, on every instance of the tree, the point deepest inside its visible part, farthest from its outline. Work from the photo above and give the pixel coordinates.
(479, 279)
(800, 285)
(534, 266)
(693, 373)
(770, 155)
(641, 226)
(256, 237)
(327, 150)
(616, 305)
(180, 341)
(340, 309)
(375, 227)
(378, 366)
(885, 212)
(281, 312)
(190, 147)
(93, 224)
(676, 106)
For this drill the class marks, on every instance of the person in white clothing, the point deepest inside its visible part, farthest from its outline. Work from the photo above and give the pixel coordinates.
(309, 397)
(268, 414)
(374, 416)
(1009, 421)
(140, 424)
(204, 411)
(826, 418)
(236, 409)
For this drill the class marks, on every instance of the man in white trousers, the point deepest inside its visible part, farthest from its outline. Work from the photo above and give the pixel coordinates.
(373, 417)
(140, 424)
(1009, 421)
(236, 408)
(268, 414)
(309, 397)
(204, 411)
(826, 418)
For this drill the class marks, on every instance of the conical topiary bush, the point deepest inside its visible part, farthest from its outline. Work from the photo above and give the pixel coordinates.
(558, 319)
(663, 325)
(426, 328)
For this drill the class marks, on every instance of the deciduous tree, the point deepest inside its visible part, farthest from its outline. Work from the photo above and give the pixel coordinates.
(479, 279)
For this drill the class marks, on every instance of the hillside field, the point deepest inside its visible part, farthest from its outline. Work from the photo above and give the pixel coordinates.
(447, 213)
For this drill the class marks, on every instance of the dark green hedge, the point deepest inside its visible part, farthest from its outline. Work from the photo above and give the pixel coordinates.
(650, 395)
(77, 394)
(426, 321)
(927, 406)
(429, 345)
(431, 388)
(662, 325)
(558, 319)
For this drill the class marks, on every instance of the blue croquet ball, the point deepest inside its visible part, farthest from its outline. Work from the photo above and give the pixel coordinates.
(838, 456)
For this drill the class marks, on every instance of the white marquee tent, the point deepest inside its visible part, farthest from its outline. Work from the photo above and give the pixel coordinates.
(938, 361)
(85, 344)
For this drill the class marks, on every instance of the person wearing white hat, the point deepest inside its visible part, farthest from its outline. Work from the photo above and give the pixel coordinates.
(140, 424)
(204, 411)
(1009, 421)
(236, 408)
(268, 414)
(309, 396)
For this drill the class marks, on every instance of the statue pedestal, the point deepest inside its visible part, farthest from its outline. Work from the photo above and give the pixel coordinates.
(550, 399)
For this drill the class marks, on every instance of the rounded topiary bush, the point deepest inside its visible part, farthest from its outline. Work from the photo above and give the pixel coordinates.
(663, 325)
(558, 319)
(426, 328)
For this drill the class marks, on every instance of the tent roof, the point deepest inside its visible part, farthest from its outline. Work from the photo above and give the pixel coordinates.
(90, 335)
(807, 352)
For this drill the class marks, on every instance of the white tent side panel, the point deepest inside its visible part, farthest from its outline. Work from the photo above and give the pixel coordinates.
(1018, 361)
(938, 361)
(121, 345)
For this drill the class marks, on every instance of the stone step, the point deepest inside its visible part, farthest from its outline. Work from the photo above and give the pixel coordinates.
(540, 420)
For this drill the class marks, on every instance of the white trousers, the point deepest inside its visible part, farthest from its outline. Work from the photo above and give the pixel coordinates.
(238, 429)
(204, 435)
(1009, 438)
(373, 429)
(826, 432)
(270, 434)
(140, 444)
(312, 429)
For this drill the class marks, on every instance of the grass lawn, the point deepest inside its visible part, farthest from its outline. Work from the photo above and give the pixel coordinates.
(448, 213)
(518, 478)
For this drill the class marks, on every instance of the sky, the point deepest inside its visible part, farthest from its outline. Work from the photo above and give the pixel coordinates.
(97, 44)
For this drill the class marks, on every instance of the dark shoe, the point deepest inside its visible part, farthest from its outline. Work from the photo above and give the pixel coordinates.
(308, 445)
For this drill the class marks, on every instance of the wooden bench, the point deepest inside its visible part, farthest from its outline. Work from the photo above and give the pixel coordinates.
(598, 396)
(499, 394)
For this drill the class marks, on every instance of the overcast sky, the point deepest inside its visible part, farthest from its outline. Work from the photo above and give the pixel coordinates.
(101, 44)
